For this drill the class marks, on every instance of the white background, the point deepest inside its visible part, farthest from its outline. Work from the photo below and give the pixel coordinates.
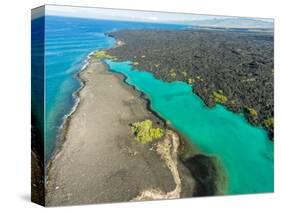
(15, 104)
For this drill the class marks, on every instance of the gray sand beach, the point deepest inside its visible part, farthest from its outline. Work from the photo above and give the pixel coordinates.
(99, 160)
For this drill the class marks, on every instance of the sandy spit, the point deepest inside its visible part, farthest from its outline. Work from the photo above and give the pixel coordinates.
(99, 160)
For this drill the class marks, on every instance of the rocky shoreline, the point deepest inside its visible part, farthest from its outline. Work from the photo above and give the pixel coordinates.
(231, 68)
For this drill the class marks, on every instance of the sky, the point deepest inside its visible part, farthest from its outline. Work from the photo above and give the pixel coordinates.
(129, 15)
(132, 15)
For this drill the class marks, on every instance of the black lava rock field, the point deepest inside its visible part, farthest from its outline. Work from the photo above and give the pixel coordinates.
(230, 67)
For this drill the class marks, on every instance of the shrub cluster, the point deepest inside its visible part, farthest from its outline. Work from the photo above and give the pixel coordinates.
(144, 132)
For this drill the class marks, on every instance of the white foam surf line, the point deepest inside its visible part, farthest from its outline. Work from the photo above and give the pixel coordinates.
(58, 141)
(75, 96)
(75, 93)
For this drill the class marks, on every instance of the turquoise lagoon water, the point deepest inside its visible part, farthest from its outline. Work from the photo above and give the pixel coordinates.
(245, 151)
(68, 41)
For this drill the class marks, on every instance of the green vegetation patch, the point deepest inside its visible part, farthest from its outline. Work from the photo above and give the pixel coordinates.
(219, 97)
(184, 73)
(145, 133)
(251, 111)
(268, 122)
(190, 81)
(103, 55)
(173, 73)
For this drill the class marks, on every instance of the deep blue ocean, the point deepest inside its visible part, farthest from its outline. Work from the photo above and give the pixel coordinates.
(68, 41)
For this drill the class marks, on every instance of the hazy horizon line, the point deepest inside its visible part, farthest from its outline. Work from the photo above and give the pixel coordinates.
(130, 15)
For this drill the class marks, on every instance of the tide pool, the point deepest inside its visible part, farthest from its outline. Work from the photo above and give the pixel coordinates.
(245, 151)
